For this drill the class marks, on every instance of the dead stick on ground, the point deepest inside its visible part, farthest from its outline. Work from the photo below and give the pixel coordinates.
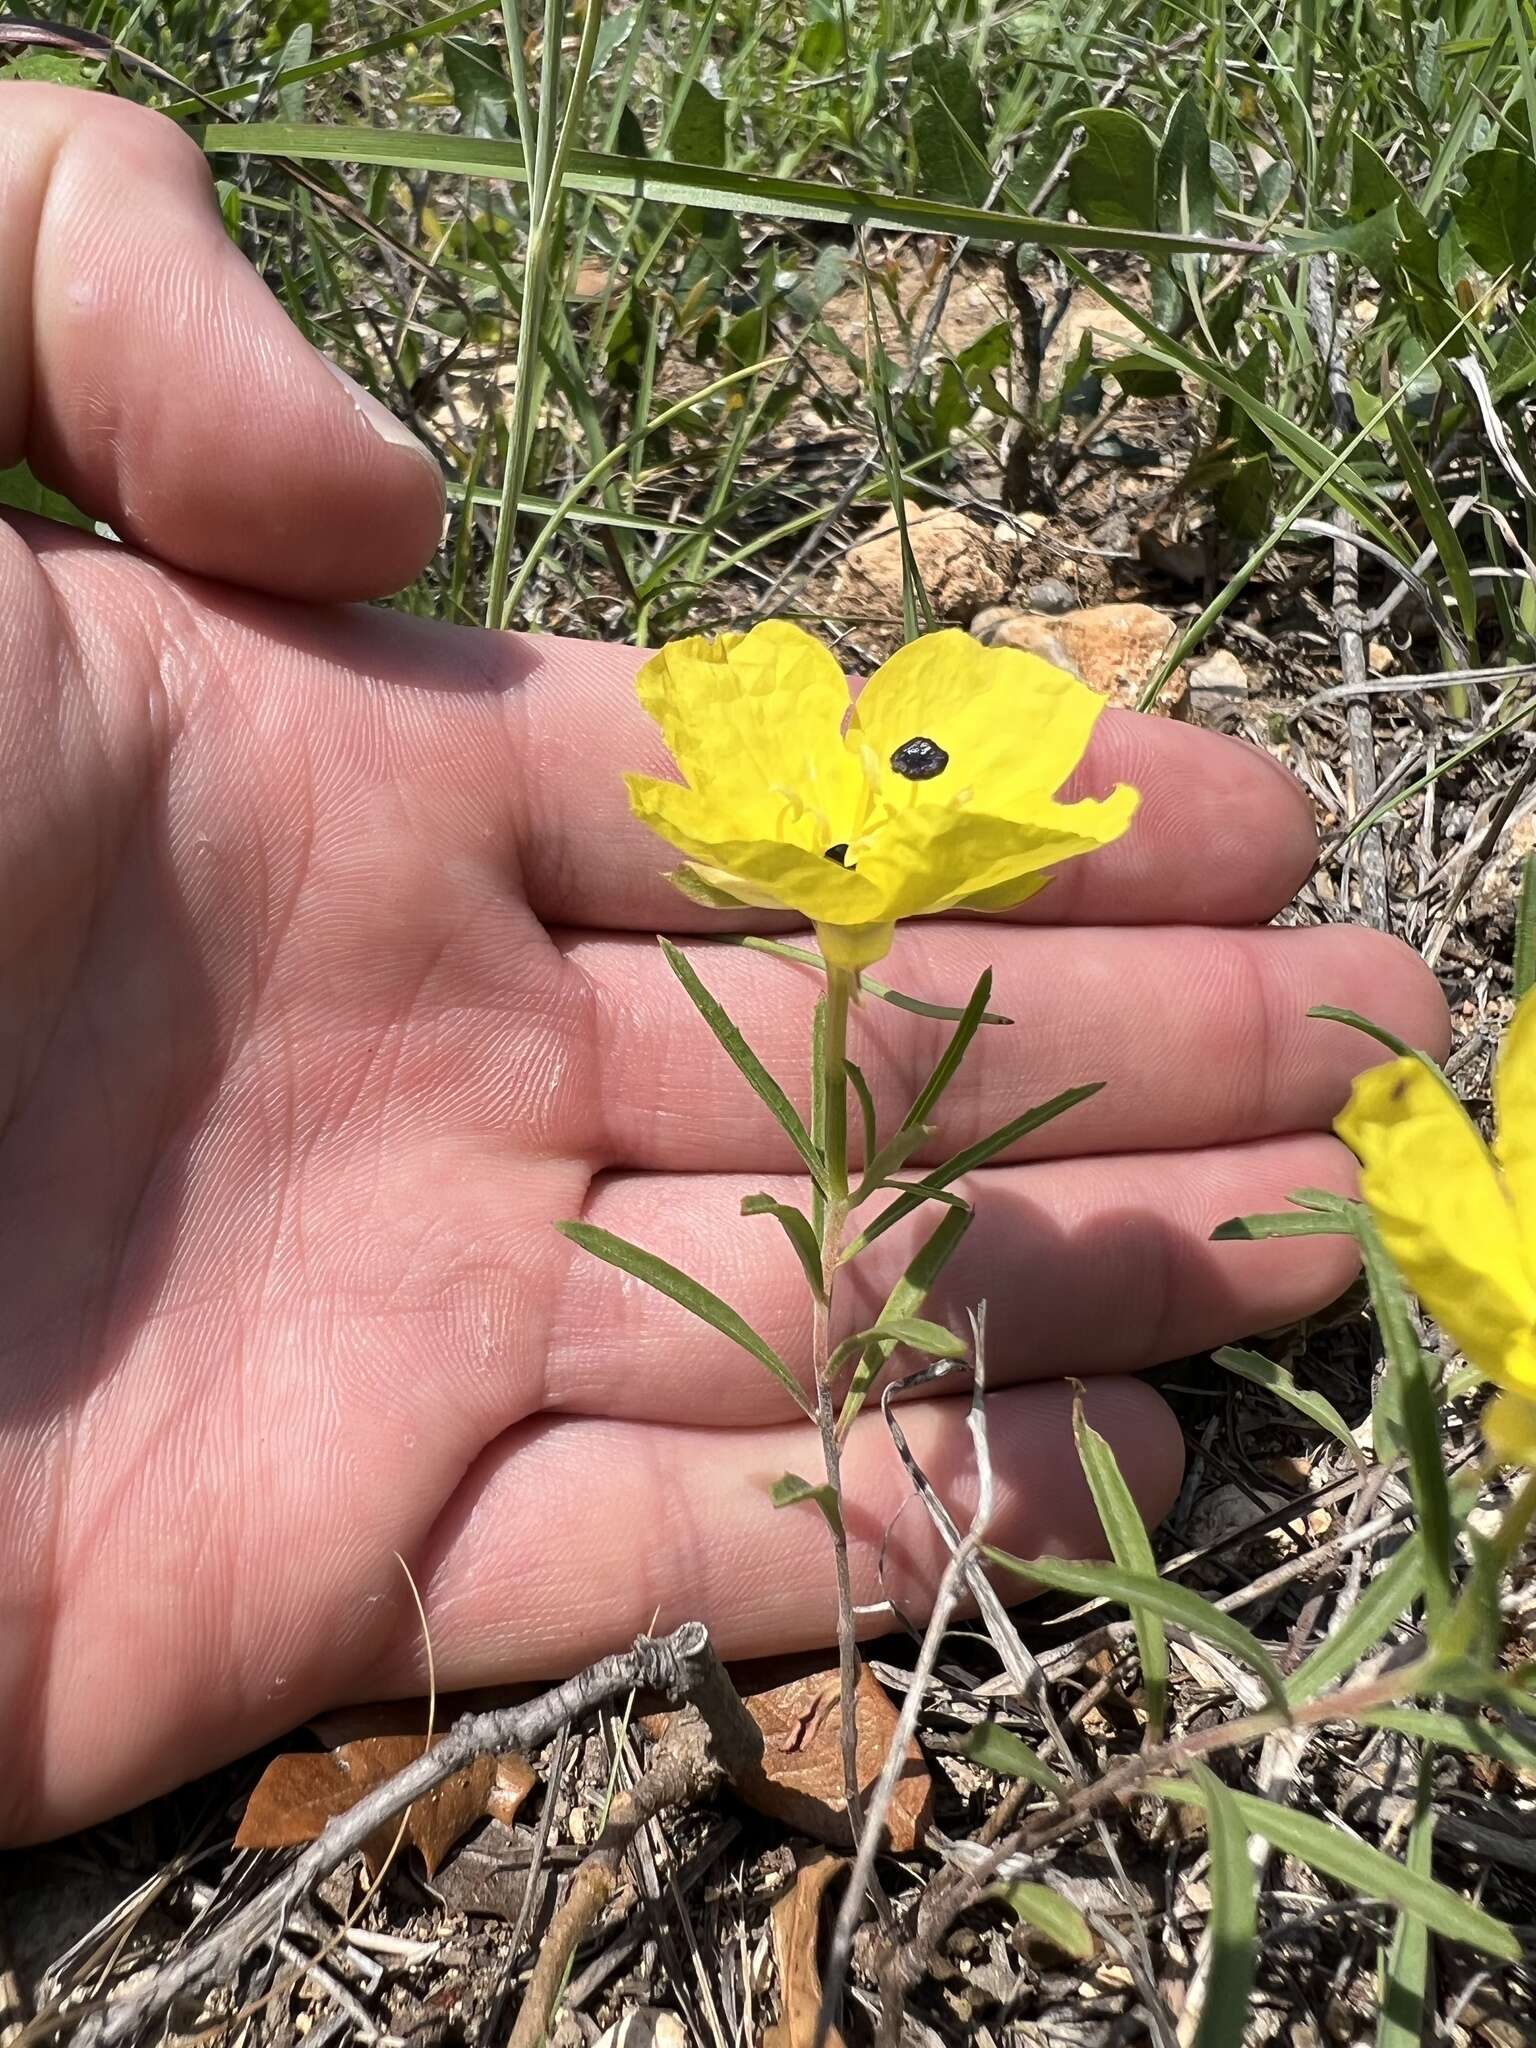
(679, 1667)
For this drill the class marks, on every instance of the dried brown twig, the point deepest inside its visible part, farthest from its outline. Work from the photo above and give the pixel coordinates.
(681, 1667)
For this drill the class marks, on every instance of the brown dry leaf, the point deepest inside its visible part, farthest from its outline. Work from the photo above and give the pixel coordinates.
(797, 1950)
(298, 1793)
(800, 1779)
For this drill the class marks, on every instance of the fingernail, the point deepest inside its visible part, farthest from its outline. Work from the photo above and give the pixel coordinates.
(378, 418)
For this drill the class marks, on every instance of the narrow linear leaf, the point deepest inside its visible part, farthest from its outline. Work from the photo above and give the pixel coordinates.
(1265, 1372)
(789, 1491)
(1051, 1915)
(684, 184)
(1234, 1918)
(796, 1227)
(745, 1059)
(1436, 519)
(889, 1159)
(1525, 930)
(1176, 1604)
(999, 1749)
(1448, 1730)
(944, 1013)
(968, 1160)
(867, 1117)
(1325, 1847)
(688, 1293)
(1282, 1223)
(1405, 1973)
(1330, 1013)
(905, 1298)
(1386, 1599)
(818, 1111)
(954, 1052)
(932, 1339)
(1131, 1547)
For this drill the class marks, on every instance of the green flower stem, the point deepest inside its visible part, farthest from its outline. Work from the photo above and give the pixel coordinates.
(833, 1120)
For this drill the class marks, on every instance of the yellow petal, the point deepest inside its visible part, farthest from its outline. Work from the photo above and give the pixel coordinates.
(1514, 1106)
(1444, 1216)
(1013, 726)
(934, 858)
(854, 946)
(754, 721)
(1509, 1424)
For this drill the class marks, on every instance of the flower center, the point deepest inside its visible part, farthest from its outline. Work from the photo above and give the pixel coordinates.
(919, 760)
(839, 853)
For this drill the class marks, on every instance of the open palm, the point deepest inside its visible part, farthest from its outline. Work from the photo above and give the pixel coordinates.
(328, 987)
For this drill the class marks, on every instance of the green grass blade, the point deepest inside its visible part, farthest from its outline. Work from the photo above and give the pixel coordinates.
(1176, 1604)
(688, 1293)
(1131, 1547)
(1449, 1730)
(1525, 930)
(746, 1061)
(1405, 1973)
(1426, 497)
(632, 179)
(1051, 1915)
(1001, 1750)
(1325, 1847)
(1234, 1925)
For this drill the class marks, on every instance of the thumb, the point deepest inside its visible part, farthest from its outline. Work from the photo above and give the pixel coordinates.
(147, 373)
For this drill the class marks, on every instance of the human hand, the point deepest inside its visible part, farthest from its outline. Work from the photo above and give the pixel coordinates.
(329, 986)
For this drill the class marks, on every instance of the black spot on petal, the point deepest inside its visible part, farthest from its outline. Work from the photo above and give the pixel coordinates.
(919, 760)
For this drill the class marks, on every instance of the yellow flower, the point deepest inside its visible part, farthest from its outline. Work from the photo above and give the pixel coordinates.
(1458, 1219)
(936, 792)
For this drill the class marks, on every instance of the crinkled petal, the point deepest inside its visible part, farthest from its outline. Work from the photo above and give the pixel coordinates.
(754, 722)
(1014, 726)
(1514, 1106)
(931, 858)
(1443, 1213)
(1509, 1424)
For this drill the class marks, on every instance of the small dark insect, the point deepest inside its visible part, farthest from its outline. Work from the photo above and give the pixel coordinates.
(920, 760)
(839, 853)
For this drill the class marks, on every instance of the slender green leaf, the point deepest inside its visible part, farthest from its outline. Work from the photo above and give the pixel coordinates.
(932, 1339)
(1525, 930)
(1327, 1848)
(968, 1160)
(797, 1228)
(687, 1292)
(1234, 1924)
(818, 1111)
(905, 1298)
(1049, 1914)
(1177, 1605)
(1286, 1223)
(1426, 496)
(1265, 1372)
(1449, 1730)
(1131, 1547)
(683, 184)
(1001, 1750)
(1329, 1013)
(867, 1117)
(945, 1013)
(789, 1491)
(1386, 1599)
(888, 1160)
(954, 1052)
(746, 1060)
(1405, 1972)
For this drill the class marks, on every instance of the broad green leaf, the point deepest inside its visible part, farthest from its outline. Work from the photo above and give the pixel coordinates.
(1384, 1602)
(687, 1292)
(789, 1491)
(1186, 190)
(479, 84)
(1051, 1915)
(1112, 179)
(1234, 1923)
(954, 1052)
(1525, 930)
(682, 184)
(1405, 1971)
(906, 1298)
(1131, 1547)
(698, 133)
(1176, 1604)
(1326, 1848)
(796, 1227)
(747, 1062)
(949, 129)
(968, 1160)
(1496, 214)
(999, 1749)
(1265, 1372)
